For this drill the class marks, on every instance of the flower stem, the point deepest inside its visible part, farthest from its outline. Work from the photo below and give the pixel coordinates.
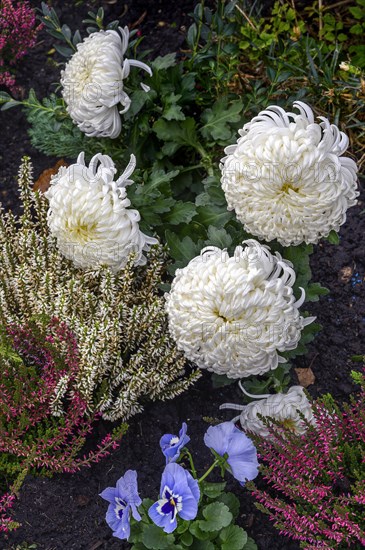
(210, 469)
(191, 461)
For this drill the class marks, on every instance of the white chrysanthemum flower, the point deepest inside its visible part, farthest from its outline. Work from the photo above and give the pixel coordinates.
(286, 179)
(232, 315)
(286, 408)
(90, 217)
(92, 83)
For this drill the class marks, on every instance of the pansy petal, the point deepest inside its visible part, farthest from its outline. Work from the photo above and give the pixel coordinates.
(108, 494)
(162, 520)
(135, 513)
(216, 437)
(112, 520)
(165, 440)
(239, 443)
(243, 470)
(193, 486)
(189, 509)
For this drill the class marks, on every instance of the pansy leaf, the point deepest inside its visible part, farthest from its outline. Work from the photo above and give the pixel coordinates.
(233, 538)
(154, 538)
(197, 532)
(230, 500)
(187, 538)
(217, 516)
(250, 544)
(182, 526)
(202, 545)
(212, 490)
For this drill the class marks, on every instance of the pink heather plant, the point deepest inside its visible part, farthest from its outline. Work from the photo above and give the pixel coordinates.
(43, 418)
(320, 477)
(18, 33)
(6, 522)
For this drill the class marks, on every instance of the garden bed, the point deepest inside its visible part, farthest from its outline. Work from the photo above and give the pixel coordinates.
(66, 511)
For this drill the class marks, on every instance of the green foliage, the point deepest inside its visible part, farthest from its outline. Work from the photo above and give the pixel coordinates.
(213, 528)
(179, 129)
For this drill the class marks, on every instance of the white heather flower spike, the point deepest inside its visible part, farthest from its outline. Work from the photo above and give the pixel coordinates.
(92, 83)
(283, 407)
(286, 179)
(90, 217)
(233, 315)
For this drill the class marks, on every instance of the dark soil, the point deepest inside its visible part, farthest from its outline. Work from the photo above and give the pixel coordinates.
(66, 513)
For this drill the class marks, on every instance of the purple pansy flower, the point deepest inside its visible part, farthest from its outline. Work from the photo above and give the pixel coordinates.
(171, 445)
(179, 496)
(242, 456)
(123, 499)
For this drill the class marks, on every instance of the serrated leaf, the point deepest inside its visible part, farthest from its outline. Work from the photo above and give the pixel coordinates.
(180, 132)
(154, 538)
(181, 212)
(184, 249)
(164, 62)
(213, 215)
(233, 538)
(219, 237)
(314, 291)
(173, 112)
(218, 119)
(217, 516)
(212, 490)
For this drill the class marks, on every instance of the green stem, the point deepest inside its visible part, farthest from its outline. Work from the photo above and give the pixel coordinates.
(207, 162)
(196, 45)
(191, 461)
(215, 463)
(189, 168)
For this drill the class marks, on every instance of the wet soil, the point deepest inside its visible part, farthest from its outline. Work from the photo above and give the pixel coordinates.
(65, 513)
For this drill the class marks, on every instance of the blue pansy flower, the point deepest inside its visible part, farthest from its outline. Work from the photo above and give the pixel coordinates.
(179, 496)
(226, 439)
(123, 499)
(171, 445)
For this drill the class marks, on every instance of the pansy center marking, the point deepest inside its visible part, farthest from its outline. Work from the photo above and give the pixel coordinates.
(169, 503)
(120, 506)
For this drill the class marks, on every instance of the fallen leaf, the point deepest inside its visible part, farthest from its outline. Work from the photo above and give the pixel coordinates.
(345, 274)
(44, 179)
(305, 376)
